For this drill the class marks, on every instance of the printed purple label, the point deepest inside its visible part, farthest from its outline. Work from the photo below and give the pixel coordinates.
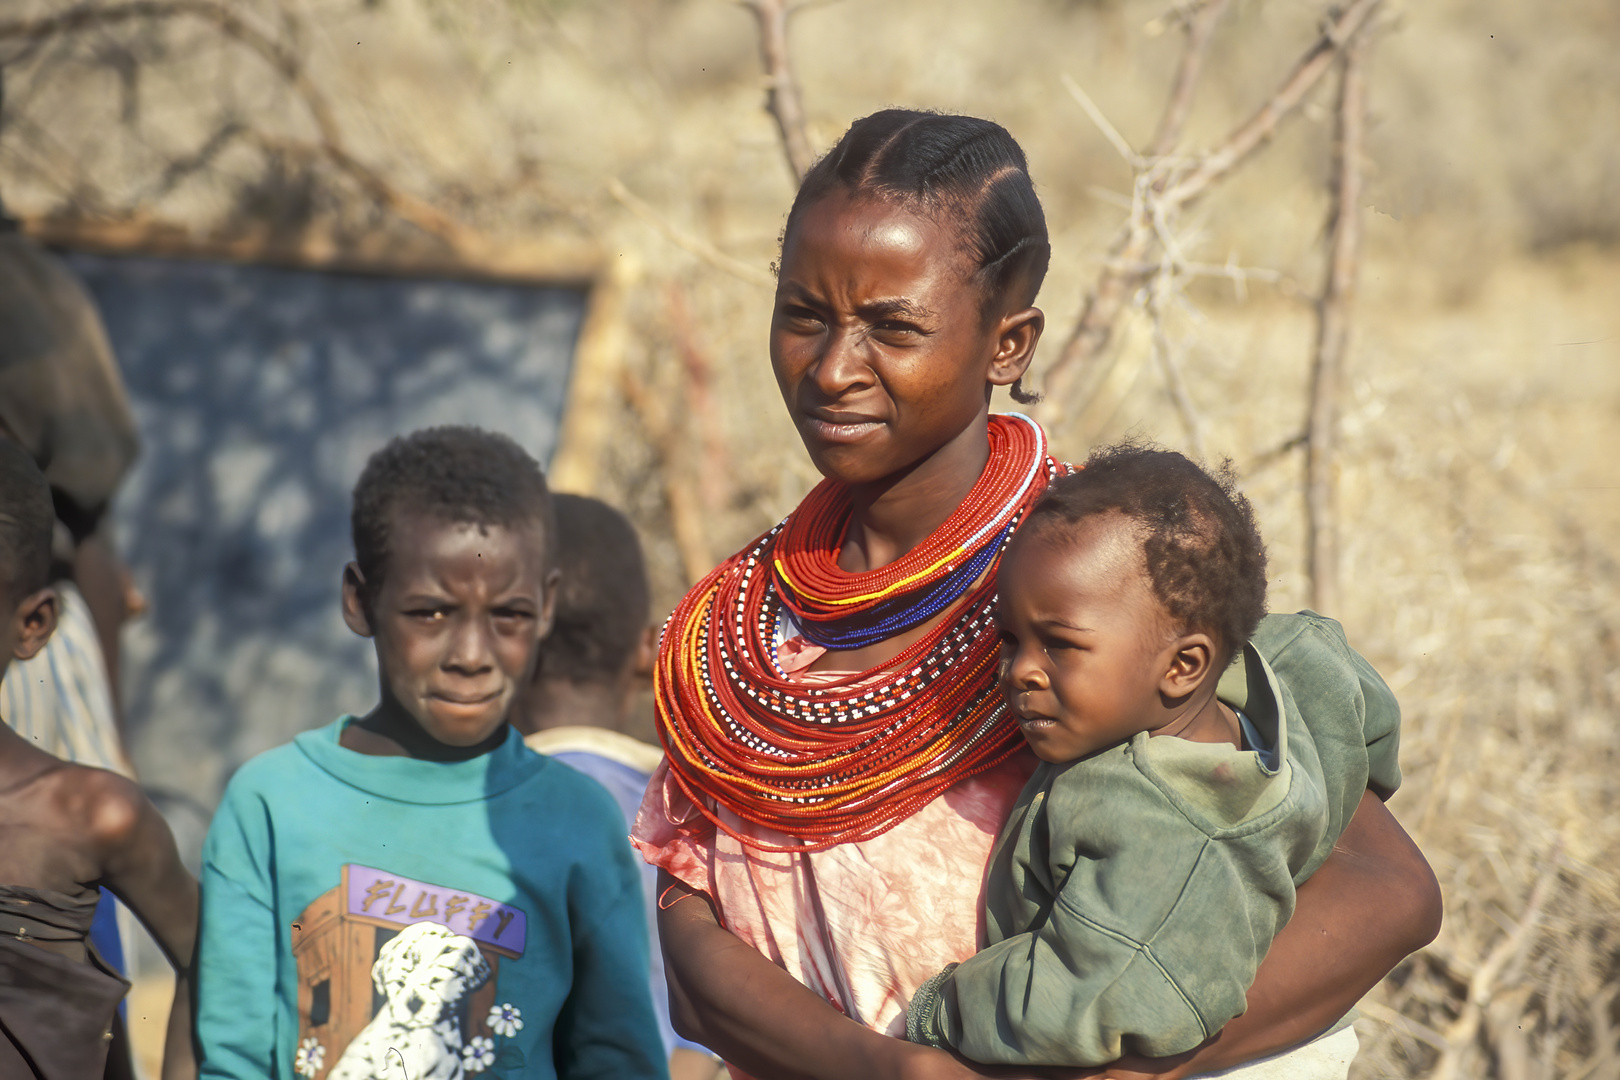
(378, 894)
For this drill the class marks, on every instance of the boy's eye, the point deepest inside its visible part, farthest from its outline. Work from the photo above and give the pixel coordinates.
(427, 613)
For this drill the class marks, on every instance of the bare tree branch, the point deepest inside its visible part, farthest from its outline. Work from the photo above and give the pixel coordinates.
(180, 169)
(1259, 128)
(782, 97)
(285, 61)
(1165, 186)
(1402, 1023)
(692, 244)
(1174, 383)
(687, 519)
(705, 432)
(1460, 1035)
(1333, 333)
(1104, 125)
(1200, 29)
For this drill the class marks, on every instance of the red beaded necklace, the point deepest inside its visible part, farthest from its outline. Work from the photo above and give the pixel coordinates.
(848, 760)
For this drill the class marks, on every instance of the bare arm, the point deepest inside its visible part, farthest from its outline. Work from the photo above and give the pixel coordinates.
(727, 996)
(141, 865)
(1373, 902)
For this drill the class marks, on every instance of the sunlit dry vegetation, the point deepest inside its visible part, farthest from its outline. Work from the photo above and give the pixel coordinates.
(1480, 407)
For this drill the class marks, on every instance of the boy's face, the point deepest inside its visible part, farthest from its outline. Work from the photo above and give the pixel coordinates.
(1088, 653)
(457, 620)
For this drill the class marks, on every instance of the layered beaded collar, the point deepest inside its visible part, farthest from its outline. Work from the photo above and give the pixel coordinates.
(850, 758)
(839, 610)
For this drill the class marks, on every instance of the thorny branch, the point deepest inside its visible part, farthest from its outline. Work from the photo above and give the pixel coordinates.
(1165, 185)
(782, 97)
(687, 242)
(287, 62)
(1200, 29)
(687, 520)
(701, 410)
(1333, 332)
(1158, 294)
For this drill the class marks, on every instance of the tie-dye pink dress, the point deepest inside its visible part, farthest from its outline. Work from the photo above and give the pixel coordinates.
(862, 924)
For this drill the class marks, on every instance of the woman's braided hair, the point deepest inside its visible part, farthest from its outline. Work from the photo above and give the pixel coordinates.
(968, 169)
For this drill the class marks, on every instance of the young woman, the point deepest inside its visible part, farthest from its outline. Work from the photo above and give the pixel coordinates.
(838, 759)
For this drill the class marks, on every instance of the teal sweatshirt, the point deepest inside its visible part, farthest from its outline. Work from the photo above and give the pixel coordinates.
(1133, 893)
(363, 915)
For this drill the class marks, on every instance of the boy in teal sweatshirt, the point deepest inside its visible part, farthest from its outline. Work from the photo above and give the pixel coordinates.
(1153, 856)
(414, 893)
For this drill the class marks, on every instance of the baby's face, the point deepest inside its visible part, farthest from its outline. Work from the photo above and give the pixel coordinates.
(1085, 644)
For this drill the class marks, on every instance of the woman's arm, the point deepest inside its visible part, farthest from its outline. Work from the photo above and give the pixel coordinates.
(726, 995)
(1371, 904)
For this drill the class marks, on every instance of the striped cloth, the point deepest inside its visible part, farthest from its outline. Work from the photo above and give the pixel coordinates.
(60, 700)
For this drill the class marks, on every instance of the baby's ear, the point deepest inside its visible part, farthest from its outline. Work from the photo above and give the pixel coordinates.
(1190, 663)
(36, 621)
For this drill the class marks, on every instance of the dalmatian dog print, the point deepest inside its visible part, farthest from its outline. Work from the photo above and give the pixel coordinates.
(423, 974)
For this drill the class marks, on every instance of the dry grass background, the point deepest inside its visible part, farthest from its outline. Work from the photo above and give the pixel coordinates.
(1478, 488)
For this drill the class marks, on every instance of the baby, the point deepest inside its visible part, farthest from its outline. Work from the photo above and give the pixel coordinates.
(1154, 854)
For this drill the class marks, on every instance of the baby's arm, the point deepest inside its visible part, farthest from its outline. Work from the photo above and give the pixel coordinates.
(142, 867)
(1154, 969)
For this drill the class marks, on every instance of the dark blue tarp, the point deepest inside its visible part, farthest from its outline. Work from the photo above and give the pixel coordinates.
(259, 393)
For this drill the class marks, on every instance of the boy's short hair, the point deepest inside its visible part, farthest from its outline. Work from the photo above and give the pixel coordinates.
(1200, 544)
(457, 474)
(27, 520)
(603, 598)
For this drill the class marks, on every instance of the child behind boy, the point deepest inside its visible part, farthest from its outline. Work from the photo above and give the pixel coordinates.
(596, 659)
(65, 831)
(1152, 858)
(415, 893)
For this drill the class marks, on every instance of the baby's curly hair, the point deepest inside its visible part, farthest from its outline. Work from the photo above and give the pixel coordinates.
(458, 474)
(1201, 547)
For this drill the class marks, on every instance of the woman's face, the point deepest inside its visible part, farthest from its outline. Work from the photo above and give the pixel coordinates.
(879, 340)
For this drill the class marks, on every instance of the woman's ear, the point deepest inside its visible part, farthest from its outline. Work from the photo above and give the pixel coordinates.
(1017, 334)
(1192, 658)
(356, 608)
(36, 622)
